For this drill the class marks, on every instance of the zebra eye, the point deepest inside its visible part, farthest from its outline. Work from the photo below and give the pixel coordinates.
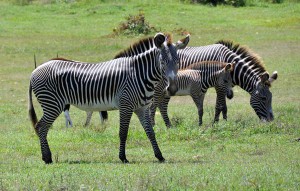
(226, 81)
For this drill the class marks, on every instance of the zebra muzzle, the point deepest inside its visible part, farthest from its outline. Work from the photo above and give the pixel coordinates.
(270, 116)
(229, 94)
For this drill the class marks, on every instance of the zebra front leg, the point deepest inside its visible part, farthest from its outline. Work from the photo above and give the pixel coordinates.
(220, 107)
(125, 116)
(144, 117)
(198, 100)
(163, 108)
(224, 112)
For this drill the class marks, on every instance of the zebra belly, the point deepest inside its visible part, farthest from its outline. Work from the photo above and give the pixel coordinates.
(98, 106)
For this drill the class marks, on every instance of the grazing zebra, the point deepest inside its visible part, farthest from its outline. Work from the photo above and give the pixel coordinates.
(249, 73)
(126, 84)
(194, 81)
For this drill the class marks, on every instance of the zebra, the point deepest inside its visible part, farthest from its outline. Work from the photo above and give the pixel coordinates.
(126, 84)
(249, 73)
(194, 81)
(132, 51)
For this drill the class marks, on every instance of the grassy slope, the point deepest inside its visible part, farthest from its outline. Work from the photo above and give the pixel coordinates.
(238, 154)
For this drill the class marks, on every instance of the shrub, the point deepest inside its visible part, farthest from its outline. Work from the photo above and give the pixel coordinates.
(277, 1)
(22, 2)
(134, 24)
(236, 3)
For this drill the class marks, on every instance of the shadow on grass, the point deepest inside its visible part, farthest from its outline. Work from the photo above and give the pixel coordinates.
(132, 162)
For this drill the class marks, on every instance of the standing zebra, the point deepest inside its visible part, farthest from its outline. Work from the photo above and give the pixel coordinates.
(194, 81)
(249, 73)
(132, 51)
(126, 84)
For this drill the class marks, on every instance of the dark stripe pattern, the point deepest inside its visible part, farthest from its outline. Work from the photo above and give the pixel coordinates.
(194, 81)
(125, 83)
(247, 74)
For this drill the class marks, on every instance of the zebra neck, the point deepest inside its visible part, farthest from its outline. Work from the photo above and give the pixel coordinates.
(145, 69)
(245, 77)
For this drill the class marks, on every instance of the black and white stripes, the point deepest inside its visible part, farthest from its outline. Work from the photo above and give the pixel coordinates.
(194, 81)
(248, 73)
(125, 83)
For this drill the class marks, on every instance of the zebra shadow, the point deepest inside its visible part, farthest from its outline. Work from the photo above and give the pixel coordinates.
(134, 162)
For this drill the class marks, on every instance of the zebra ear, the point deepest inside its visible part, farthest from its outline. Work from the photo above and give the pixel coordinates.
(264, 77)
(273, 77)
(181, 44)
(159, 39)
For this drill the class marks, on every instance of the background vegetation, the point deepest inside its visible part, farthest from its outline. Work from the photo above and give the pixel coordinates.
(240, 154)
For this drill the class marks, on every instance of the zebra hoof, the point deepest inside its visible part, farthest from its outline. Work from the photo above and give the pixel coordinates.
(160, 158)
(124, 160)
(47, 161)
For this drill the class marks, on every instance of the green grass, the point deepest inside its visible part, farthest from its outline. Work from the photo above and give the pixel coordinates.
(240, 154)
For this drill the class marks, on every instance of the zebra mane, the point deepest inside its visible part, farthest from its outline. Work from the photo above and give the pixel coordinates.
(205, 65)
(63, 59)
(245, 53)
(137, 48)
(141, 46)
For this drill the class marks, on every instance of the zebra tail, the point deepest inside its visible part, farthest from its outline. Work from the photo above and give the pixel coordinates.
(31, 111)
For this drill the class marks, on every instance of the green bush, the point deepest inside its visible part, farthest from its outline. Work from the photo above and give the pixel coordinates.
(236, 3)
(277, 1)
(134, 24)
(22, 2)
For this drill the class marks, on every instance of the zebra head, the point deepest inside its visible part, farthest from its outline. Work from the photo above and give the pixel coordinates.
(261, 97)
(225, 79)
(169, 59)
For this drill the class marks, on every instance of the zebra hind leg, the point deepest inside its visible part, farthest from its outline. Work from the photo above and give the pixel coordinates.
(42, 130)
(88, 118)
(144, 117)
(152, 114)
(67, 116)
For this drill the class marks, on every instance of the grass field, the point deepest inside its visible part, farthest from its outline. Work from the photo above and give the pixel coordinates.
(239, 154)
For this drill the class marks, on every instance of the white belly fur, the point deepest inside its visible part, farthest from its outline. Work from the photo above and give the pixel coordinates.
(99, 107)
